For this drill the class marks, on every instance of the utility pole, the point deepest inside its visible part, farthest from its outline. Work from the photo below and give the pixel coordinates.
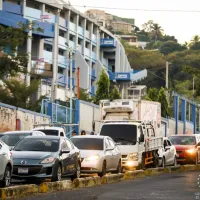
(167, 77)
(70, 65)
(78, 82)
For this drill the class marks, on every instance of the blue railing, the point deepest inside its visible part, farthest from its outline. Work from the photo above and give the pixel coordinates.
(80, 31)
(72, 27)
(63, 22)
(33, 13)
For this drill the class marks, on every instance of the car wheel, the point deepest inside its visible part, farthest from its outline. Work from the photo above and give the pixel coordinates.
(119, 167)
(196, 160)
(77, 172)
(57, 174)
(175, 161)
(103, 172)
(7, 177)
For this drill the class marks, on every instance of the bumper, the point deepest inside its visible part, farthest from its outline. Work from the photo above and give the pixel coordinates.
(34, 171)
(91, 166)
(129, 163)
(186, 158)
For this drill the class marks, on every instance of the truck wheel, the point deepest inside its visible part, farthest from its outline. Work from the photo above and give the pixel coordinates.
(163, 163)
(156, 161)
(103, 172)
(175, 161)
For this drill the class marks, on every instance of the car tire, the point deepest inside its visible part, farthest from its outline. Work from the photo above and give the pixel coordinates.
(163, 163)
(57, 174)
(103, 172)
(196, 160)
(7, 177)
(77, 173)
(119, 167)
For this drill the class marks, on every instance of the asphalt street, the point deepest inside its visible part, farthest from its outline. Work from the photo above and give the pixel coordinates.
(176, 186)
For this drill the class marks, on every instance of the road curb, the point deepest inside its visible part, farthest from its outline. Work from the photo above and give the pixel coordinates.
(129, 175)
(18, 191)
(113, 178)
(48, 187)
(86, 182)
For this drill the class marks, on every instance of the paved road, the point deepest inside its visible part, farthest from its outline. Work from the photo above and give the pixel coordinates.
(177, 186)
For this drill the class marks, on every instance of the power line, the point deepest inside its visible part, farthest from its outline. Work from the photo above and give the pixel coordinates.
(128, 9)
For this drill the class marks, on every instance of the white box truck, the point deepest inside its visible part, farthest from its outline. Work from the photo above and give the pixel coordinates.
(135, 125)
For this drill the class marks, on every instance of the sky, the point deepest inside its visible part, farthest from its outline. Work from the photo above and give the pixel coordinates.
(183, 25)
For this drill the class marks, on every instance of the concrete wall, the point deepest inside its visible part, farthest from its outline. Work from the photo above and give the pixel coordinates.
(10, 114)
(88, 113)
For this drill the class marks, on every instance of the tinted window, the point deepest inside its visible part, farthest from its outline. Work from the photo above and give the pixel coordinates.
(12, 139)
(123, 133)
(36, 144)
(50, 132)
(88, 143)
(182, 140)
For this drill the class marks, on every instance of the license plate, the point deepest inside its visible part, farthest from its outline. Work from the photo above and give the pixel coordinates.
(22, 170)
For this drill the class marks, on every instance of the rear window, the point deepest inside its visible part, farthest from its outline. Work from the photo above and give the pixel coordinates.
(88, 143)
(13, 139)
(182, 140)
(50, 132)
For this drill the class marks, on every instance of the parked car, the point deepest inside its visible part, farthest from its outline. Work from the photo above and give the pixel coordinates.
(6, 165)
(99, 154)
(51, 131)
(11, 138)
(187, 148)
(170, 156)
(46, 157)
(1, 134)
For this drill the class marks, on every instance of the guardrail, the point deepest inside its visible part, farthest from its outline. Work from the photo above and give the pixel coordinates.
(49, 187)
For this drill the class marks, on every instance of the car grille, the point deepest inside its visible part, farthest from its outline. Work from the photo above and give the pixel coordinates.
(179, 152)
(32, 170)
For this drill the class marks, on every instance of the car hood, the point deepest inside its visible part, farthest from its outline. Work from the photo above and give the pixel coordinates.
(126, 149)
(86, 153)
(34, 155)
(184, 147)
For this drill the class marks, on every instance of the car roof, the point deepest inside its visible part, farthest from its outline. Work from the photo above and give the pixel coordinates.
(47, 128)
(11, 132)
(184, 135)
(91, 136)
(44, 137)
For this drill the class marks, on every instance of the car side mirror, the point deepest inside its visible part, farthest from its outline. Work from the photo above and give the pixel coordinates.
(65, 151)
(141, 139)
(167, 148)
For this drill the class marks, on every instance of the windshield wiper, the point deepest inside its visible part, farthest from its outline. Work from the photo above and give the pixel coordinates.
(123, 139)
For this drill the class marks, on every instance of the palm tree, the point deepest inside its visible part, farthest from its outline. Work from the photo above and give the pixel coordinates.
(147, 26)
(194, 40)
(156, 31)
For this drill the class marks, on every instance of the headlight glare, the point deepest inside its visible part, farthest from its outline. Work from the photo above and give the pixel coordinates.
(92, 158)
(190, 151)
(48, 160)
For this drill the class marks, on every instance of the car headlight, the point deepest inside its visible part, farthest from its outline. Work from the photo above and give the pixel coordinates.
(191, 151)
(48, 160)
(133, 156)
(92, 158)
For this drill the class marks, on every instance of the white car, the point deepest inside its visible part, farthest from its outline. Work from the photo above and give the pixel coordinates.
(99, 154)
(51, 131)
(170, 154)
(11, 138)
(6, 165)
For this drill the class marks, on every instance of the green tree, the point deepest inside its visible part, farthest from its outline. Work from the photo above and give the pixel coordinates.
(12, 60)
(162, 98)
(115, 94)
(194, 40)
(18, 94)
(152, 94)
(84, 95)
(156, 32)
(103, 85)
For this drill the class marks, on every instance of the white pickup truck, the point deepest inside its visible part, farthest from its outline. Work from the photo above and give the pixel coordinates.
(136, 127)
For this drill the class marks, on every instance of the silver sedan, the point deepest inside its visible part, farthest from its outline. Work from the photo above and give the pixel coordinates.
(99, 154)
(6, 165)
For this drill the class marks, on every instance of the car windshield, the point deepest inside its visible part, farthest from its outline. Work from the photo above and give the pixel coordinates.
(182, 140)
(14, 138)
(123, 133)
(50, 132)
(88, 143)
(37, 144)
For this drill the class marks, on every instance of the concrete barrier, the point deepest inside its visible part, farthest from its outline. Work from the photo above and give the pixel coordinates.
(129, 175)
(48, 187)
(86, 182)
(112, 178)
(18, 191)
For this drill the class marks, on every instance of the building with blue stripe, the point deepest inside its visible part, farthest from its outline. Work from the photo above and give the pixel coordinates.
(92, 47)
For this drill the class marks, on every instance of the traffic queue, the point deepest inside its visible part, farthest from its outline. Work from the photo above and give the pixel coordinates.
(38, 155)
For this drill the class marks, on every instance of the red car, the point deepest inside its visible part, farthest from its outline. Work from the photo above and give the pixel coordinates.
(187, 148)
